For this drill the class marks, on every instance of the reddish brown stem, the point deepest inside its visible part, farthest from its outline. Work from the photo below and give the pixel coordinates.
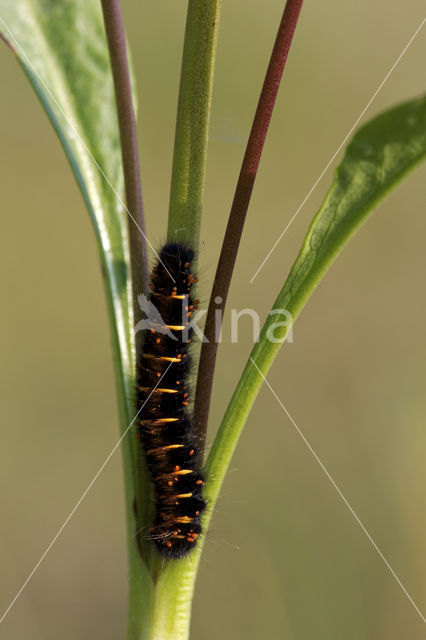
(129, 147)
(238, 212)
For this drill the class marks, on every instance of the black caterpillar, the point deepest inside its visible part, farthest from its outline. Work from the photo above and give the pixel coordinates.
(165, 428)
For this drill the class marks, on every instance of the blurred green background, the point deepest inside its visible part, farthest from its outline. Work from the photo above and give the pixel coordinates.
(285, 558)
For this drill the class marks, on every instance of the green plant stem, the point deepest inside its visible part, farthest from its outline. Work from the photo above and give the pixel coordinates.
(139, 580)
(238, 213)
(193, 116)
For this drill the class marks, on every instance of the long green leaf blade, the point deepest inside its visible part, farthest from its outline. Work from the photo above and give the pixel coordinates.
(380, 154)
(62, 49)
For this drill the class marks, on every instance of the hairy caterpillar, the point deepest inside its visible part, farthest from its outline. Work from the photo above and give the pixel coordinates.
(164, 426)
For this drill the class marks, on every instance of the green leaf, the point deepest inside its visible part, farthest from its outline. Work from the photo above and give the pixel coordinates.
(380, 154)
(62, 49)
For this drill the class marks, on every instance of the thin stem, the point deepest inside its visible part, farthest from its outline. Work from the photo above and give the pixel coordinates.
(7, 43)
(140, 583)
(129, 146)
(238, 212)
(193, 117)
(138, 246)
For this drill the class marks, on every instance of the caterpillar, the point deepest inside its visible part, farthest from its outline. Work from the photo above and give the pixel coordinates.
(164, 426)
